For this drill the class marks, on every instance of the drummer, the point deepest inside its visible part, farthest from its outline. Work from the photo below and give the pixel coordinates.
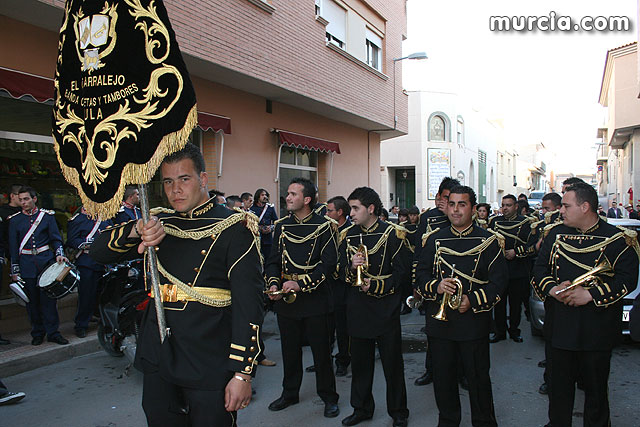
(35, 243)
(81, 231)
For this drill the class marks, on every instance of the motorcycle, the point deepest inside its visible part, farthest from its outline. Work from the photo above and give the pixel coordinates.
(121, 304)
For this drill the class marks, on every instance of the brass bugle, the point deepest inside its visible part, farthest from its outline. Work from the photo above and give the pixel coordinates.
(413, 302)
(362, 249)
(590, 278)
(288, 296)
(451, 301)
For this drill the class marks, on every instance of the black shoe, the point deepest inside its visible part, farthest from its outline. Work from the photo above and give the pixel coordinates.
(331, 410)
(4, 342)
(37, 340)
(355, 418)
(405, 309)
(81, 333)
(341, 371)
(426, 378)
(281, 403)
(544, 389)
(311, 368)
(516, 338)
(542, 363)
(400, 422)
(59, 339)
(464, 383)
(493, 338)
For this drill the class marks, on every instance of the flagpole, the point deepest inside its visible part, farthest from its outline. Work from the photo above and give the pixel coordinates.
(153, 266)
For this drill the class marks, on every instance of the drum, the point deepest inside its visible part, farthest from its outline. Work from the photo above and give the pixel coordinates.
(19, 293)
(59, 279)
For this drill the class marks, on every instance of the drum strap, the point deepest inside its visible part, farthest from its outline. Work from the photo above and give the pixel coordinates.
(264, 210)
(31, 230)
(93, 230)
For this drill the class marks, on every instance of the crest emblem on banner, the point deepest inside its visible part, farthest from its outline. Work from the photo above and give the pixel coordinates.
(123, 97)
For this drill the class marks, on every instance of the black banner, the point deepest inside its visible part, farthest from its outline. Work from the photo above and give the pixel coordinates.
(123, 97)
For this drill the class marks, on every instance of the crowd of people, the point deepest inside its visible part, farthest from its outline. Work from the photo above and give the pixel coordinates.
(340, 274)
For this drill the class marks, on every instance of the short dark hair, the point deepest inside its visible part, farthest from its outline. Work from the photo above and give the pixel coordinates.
(27, 189)
(128, 191)
(367, 196)
(403, 212)
(463, 189)
(521, 195)
(572, 180)
(384, 213)
(245, 196)
(256, 195)
(447, 183)
(555, 198)
(189, 151)
(341, 204)
(413, 210)
(510, 196)
(308, 189)
(232, 200)
(585, 193)
(215, 193)
(15, 188)
(484, 205)
(523, 204)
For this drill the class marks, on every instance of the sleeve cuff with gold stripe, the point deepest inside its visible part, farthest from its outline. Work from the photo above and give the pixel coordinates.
(246, 358)
(119, 240)
(603, 296)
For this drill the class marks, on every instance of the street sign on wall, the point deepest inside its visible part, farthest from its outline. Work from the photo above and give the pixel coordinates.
(438, 167)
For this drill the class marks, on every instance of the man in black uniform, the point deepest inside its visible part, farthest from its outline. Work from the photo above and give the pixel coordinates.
(432, 219)
(303, 260)
(211, 285)
(516, 231)
(587, 318)
(5, 212)
(475, 257)
(129, 209)
(338, 209)
(373, 307)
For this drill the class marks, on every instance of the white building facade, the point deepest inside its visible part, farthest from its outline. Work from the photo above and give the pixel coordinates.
(446, 138)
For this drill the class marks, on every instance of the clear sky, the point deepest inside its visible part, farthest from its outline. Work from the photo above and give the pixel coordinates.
(545, 85)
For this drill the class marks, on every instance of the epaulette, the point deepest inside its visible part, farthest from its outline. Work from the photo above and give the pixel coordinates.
(426, 235)
(50, 212)
(534, 226)
(74, 217)
(159, 209)
(548, 215)
(12, 215)
(401, 232)
(280, 220)
(271, 204)
(334, 223)
(251, 221)
(121, 208)
(499, 237)
(547, 228)
(630, 238)
(343, 234)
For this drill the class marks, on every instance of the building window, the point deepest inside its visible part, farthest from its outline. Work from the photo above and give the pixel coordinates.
(337, 26)
(460, 136)
(437, 128)
(294, 163)
(374, 50)
(318, 7)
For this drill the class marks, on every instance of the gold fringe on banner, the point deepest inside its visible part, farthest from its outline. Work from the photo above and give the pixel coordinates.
(132, 174)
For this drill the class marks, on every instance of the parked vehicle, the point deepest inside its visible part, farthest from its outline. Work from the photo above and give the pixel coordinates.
(535, 199)
(536, 306)
(121, 304)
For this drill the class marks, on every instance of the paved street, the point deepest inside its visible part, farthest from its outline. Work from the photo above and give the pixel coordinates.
(94, 390)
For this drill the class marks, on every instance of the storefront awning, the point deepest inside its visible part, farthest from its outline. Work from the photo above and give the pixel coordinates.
(306, 142)
(19, 84)
(214, 122)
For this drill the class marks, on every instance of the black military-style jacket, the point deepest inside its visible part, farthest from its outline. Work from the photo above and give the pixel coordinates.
(516, 231)
(412, 238)
(567, 253)
(370, 314)
(537, 227)
(339, 288)
(213, 254)
(430, 220)
(305, 251)
(481, 267)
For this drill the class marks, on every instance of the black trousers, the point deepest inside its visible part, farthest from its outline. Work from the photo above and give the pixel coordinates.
(428, 358)
(3, 389)
(42, 310)
(593, 368)
(292, 334)
(338, 329)
(475, 364)
(87, 296)
(363, 353)
(169, 405)
(518, 294)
